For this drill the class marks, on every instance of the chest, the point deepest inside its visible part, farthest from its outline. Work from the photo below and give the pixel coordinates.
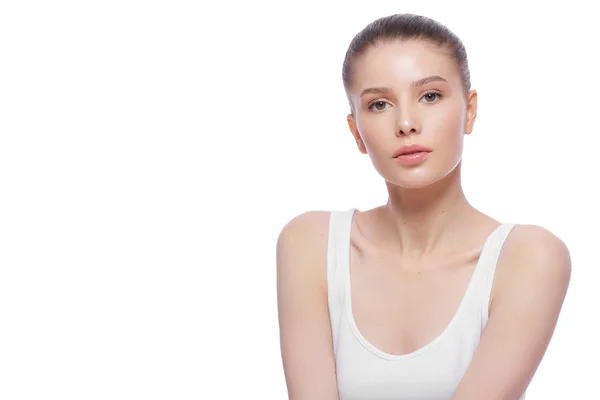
(399, 309)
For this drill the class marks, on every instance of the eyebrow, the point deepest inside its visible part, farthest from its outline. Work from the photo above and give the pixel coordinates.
(415, 84)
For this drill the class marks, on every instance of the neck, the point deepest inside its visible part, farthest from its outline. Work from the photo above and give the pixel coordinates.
(425, 221)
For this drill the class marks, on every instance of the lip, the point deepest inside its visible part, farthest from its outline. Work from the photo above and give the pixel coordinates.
(413, 158)
(415, 148)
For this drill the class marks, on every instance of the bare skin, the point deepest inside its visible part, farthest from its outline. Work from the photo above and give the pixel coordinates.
(412, 258)
(423, 295)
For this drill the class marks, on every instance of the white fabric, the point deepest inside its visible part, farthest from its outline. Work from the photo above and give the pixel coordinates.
(431, 372)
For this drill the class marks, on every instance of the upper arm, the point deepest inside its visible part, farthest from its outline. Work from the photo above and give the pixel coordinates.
(531, 288)
(304, 325)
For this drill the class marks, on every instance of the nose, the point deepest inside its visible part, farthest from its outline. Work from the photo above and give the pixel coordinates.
(407, 123)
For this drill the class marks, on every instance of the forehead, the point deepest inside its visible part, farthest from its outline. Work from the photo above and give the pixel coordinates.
(400, 63)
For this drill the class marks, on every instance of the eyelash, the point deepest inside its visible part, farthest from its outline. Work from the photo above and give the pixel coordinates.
(439, 96)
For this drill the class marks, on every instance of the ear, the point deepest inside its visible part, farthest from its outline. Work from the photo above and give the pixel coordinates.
(471, 111)
(354, 130)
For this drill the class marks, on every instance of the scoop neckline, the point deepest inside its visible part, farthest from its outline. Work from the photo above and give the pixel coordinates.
(396, 357)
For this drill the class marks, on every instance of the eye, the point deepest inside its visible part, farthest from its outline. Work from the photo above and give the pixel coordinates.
(378, 104)
(432, 95)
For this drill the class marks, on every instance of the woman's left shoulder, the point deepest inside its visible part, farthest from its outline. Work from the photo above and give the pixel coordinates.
(528, 240)
(533, 261)
(537, 250)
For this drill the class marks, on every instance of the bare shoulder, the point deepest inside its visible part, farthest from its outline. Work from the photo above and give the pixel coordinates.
(536, 247)
(306, 225)
(532, 277)
(304, 325)
(533, 255)
(302, 244)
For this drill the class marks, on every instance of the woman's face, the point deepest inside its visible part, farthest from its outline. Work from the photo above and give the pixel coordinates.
(391, 111)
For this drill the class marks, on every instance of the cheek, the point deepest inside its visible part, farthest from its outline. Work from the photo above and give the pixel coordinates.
(447, 129)
(448, 121)
(377, 129)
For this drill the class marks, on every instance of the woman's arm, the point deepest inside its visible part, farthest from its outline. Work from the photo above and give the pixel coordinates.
(532, 280)
(304, 325)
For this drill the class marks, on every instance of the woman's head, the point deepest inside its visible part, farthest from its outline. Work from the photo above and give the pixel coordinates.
(407, 81)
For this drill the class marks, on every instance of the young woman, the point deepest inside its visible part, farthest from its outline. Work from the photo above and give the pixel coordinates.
(424, 297)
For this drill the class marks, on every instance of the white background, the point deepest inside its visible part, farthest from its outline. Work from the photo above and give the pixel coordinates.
(151, 152)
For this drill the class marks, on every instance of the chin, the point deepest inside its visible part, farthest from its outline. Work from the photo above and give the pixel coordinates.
(410, 180)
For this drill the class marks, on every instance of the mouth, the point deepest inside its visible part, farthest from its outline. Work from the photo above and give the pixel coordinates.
(411, 152)
(412, 158)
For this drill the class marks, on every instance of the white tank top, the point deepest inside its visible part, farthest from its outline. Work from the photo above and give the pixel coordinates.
(432, 372)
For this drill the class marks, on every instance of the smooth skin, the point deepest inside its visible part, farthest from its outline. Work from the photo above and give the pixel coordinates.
(420, 247)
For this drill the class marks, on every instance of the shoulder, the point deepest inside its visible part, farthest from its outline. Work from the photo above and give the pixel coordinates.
(308, 219)
(537, 248)
(307, 228)
(532, 255)
(534, 275)
(302, 246)
(302, 307)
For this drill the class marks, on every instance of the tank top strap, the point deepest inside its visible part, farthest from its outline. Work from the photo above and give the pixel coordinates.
(486, 266)
(338, 244)
(338, 251)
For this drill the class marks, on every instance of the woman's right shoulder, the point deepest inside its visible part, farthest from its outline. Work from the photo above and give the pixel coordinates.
(302, 307)
(306, 225)
(302, 244)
